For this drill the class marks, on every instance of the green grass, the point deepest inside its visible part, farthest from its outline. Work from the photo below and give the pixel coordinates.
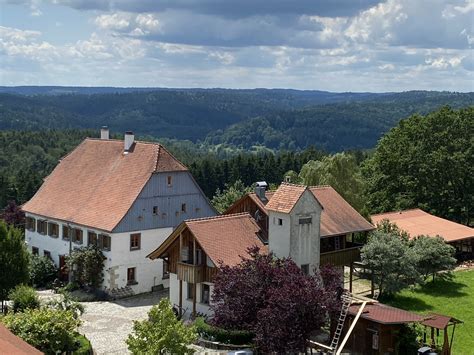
(453, 298)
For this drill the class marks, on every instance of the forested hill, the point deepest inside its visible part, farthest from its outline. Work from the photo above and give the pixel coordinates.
(243, 118)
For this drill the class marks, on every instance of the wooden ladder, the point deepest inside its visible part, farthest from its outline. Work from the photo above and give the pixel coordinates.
(346, 303)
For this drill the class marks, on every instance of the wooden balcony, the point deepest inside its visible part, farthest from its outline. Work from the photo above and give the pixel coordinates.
(190, 273)
(195, 273)
(341, 257)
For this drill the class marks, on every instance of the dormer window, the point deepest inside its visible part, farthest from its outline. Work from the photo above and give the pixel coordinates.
(169, 180)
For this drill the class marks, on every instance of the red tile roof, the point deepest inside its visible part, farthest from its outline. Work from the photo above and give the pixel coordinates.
(338, 216)
(225, 238)
(439, 321)
(96, 184)
(381, 313)
(417, 222)
(285, 197)
(12, 345)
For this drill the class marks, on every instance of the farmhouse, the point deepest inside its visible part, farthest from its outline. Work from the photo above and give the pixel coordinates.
(418, 222)
(310, 225)
(124, 196)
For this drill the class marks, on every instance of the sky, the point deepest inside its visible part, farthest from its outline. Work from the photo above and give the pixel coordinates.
(334, 45)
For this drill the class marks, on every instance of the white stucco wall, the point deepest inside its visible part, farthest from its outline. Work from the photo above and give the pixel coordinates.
(148, 272)
(301, 242)
(187, 303)
(279, 236)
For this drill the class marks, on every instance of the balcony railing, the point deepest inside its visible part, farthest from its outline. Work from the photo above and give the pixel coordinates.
(195, 273)
(341, 257)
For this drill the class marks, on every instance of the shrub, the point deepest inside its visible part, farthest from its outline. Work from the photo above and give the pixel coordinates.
(48, 330)
(42, 271)
(161, 333)
(213, 333)
(67, 303)
(88, 264)
(24, 297)
(84, 345)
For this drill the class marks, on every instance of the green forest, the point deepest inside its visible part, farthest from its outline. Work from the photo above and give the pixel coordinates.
(228, 119)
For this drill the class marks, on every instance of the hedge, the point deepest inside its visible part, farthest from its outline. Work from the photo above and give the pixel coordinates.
(210, 332)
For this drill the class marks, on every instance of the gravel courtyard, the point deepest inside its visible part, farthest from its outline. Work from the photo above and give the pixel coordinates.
(107, 324)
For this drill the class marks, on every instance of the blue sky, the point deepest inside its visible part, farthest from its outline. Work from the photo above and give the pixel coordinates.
(335, 45)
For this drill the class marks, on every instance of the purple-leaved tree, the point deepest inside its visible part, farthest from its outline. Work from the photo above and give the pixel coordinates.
(272, 298)
(12, 214)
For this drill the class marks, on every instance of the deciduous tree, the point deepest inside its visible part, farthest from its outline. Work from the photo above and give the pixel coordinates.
(14, 259)
(393, 262)
(273, 299)
(434, 255)
(425, 162)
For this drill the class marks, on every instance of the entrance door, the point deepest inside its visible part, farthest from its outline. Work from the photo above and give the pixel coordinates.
(63, 271)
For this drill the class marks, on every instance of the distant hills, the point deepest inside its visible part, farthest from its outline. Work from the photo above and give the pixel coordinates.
(275, 118)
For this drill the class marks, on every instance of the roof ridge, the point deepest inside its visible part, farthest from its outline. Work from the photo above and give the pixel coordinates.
(292, 184)
(400, 211)
(121, 140)
(222, 216)
(320, 186)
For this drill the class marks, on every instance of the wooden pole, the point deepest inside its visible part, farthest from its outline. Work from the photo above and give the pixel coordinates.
(351, 267)
(180, 298)
(372, 285)
(194, 299)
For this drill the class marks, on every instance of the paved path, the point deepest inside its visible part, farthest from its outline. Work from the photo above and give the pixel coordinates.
(107, 324)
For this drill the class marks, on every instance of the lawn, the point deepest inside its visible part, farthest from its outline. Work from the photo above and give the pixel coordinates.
(454, 298)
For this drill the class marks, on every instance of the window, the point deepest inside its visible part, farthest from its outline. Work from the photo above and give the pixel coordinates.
(280, 222)
(135, 241)
(190, 291)
(30, 224)
(92, 238)
(131, 276)
(47, 254)
(205, 293)
(307, 220)
(53, 230)
(155, 210)
(305, 269)
(34, 251)
(77, 235)
(66, 232)
(183, 207)
(41, 227)
(104, 242)
(166, 270)
(169, 181)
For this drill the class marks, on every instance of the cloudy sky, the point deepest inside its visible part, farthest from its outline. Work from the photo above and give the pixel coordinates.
(336, 45)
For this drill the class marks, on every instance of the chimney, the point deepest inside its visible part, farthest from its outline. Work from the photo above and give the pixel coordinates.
(260, 188)
(104, 132)
(128, 141)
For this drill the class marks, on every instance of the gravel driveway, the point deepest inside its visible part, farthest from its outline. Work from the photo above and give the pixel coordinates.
(107, 324)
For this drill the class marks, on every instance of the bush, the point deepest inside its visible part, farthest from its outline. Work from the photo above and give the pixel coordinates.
(50, 331)
(84, 345)
(67, 303)
(213, 333)
(24, 297)
(42, 271)
(161, 333)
